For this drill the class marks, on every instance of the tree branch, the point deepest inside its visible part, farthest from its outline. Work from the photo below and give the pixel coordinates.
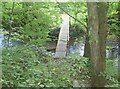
(70, 15)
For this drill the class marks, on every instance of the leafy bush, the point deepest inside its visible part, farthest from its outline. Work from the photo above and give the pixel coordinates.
(25, 67)
(33, 66)
(111, 73)
(78, 65)
(18, 63)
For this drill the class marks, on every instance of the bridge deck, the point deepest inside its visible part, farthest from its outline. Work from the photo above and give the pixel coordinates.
(63, 38)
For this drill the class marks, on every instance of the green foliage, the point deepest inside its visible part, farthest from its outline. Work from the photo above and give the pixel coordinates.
(113, 18)
(54, 33)
(76, 31)
(23, 66)
(111, 73)
(77, 10)
(36, 23)
(32, 66)
(29, 21)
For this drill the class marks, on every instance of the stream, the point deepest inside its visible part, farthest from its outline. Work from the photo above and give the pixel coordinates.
(1, 40)
(74, 48)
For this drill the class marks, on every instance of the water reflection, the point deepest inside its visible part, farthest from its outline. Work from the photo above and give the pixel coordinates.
(1, 40)
(77, 49)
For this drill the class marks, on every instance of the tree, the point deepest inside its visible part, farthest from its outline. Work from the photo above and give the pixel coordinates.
(102, 16)
(30, 21)
(87, 45)
(97, 37)
(114, 20)
(119, 29)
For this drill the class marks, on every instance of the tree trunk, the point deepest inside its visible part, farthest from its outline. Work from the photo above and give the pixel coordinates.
(118, 40)
(102, 16)
(97, 39)
(93, 26)
(87, 46)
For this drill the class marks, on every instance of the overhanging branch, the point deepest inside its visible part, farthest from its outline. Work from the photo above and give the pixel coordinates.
(71, 15)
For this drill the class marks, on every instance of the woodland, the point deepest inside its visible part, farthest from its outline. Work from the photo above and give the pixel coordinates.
(29, 33)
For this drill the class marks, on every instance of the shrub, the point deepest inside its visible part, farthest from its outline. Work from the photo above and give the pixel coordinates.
(25, 67)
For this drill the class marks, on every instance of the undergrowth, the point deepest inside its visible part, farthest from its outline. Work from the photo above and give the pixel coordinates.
(32, 66)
